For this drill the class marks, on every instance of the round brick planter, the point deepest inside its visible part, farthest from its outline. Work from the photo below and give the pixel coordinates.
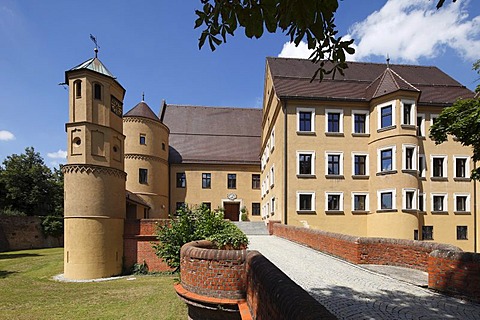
(211, 272)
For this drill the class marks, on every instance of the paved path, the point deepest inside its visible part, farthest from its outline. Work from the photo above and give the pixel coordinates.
(352, 292)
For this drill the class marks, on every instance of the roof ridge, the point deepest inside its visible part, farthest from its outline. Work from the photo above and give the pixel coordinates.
(395, 73)
(360, 62)
(213, 107)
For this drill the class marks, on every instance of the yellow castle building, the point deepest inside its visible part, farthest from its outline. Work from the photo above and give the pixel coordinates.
(348, 155)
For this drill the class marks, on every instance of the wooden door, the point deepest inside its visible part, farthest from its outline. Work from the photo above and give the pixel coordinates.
(232, 210)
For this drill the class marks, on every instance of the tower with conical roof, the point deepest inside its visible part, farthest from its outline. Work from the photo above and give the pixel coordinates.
(146, 158)
(94, 173)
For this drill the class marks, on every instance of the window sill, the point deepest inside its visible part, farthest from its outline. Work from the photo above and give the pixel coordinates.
(386, 128)
(306, 176)
(360, 177)
(462, 179)
(422, 178)
(439, 178)
(360, 212)
(386, 210)
(410, 210)
(366, 135)
(306, 133)
(334, 134)
(422, 137)
(386, 172)
(410, 171)
(409, 127)
(306, 212)
(427, 239)
(462, 212)
(440, 212)
(333, 212)
(334, 176)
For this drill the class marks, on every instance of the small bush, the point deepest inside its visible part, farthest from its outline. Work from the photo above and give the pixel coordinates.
(52, 226)
(11, 212)
(140, 268)
(198, 223)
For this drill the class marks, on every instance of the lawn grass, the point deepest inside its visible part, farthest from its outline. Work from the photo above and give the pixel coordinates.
(27, 291)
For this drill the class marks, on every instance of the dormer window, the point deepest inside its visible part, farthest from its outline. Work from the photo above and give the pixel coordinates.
(97, 91)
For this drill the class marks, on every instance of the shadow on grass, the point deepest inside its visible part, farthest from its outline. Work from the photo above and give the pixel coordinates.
(392, 304)
(17, 255)
(4, 274)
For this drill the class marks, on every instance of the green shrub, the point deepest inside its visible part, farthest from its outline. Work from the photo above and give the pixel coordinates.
(140, 268)
(193, 224)
(11, 212)
(52, 226)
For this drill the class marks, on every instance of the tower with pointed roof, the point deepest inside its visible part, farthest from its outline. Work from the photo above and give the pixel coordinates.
(146, 160)
(94, 173)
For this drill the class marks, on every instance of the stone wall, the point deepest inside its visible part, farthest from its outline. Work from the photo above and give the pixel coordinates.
(139, 235)
(21, 233)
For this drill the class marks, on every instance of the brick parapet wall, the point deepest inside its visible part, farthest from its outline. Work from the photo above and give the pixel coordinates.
(212, 272)
(20, 233)
(139, 237)
(363, 250)
(455, 272)
(273, 295)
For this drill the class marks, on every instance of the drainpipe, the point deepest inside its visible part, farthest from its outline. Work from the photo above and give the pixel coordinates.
(474, 210)
(285, 163)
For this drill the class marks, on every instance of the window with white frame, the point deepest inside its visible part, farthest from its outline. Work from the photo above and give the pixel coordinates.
(408, 112)
(305, 119)
(461, 166)
(360, 201)
(272, 140)
(386, 199)
(422, 165)
(439, 166)
(360, 164)
(409, 199)
(433, 118)
(421, 202)
(272, 176)
(386, 159)
(360, 121)
(305, 201)
(439, 202)
(386, 115)
(409, 157)
(305, 162)
(334, 120)
(334, 201)
(462, 202)
(420, 125)
(334, 163)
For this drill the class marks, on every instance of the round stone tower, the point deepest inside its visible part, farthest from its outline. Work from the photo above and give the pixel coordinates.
(146, 159)
(94, 173)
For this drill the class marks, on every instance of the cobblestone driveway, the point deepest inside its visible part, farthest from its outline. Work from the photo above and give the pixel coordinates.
(351, 292)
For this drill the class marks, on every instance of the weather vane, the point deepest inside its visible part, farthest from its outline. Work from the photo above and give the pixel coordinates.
(94, 40)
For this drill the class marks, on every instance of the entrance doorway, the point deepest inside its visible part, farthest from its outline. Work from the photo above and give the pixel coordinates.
(232, 210)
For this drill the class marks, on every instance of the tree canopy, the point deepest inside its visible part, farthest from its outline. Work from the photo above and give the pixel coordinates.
(312, 21)
(461, 121)
(29, 186)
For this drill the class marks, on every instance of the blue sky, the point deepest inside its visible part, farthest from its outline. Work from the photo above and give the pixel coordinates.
(151, 47)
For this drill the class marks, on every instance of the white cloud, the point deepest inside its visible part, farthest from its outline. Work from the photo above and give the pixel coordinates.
(408, 30)
(289, 50)
(60, 154)
(6, 135)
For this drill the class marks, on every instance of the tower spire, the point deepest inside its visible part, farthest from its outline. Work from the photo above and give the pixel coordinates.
(143, 96)
(388, 61)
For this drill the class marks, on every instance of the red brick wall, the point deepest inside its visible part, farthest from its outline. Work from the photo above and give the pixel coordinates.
(455, 272)
(273, 295)
(361, 250)
(211, 272)
(139, 235)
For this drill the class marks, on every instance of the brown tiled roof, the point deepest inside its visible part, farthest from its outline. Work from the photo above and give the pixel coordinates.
(142, 110)
(213, 134)
(363, 81)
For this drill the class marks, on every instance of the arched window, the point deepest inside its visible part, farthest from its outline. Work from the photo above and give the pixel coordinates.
(78, 88)
(97, 91)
